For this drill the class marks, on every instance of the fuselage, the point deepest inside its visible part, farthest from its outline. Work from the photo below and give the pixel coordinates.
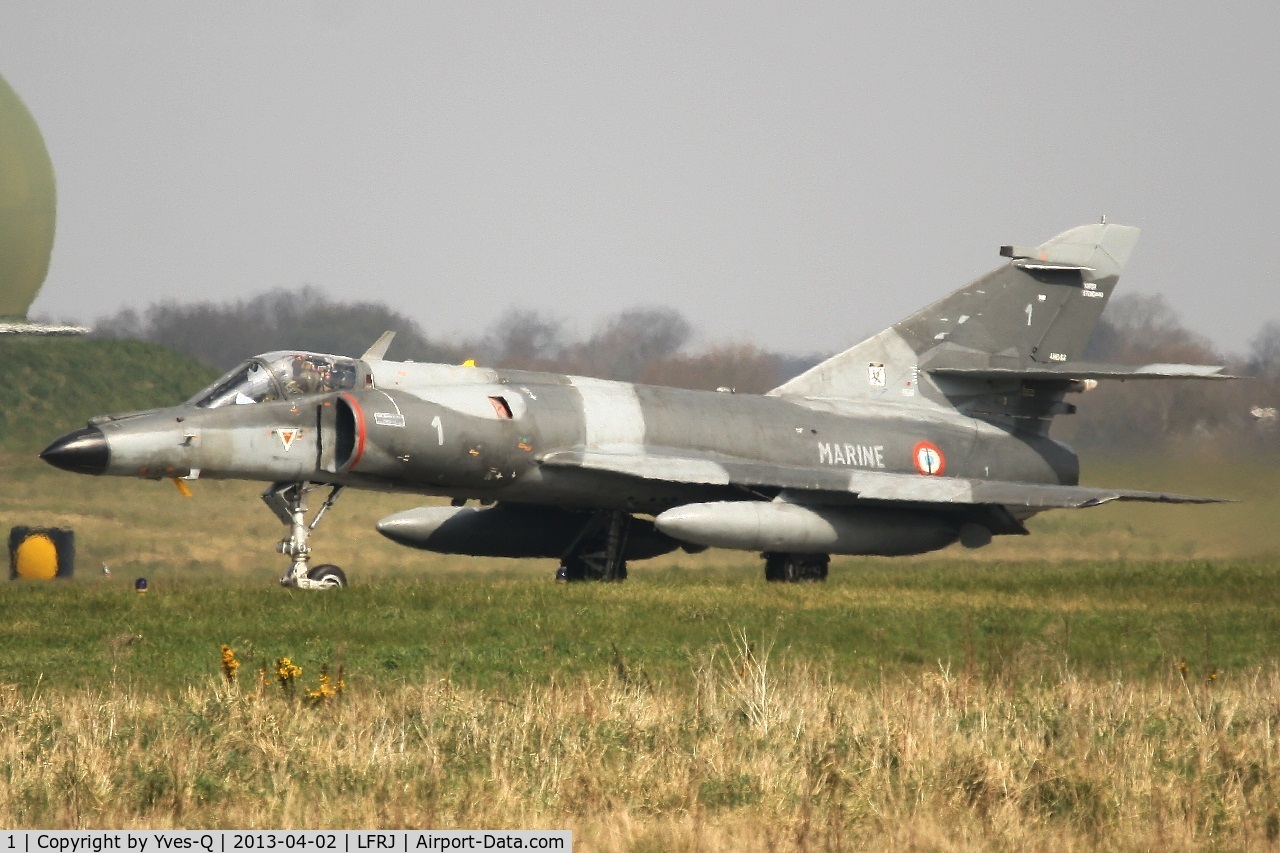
(466, 432)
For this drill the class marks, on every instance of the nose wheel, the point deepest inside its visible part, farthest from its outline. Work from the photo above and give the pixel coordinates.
(327, 577)
(287, 501)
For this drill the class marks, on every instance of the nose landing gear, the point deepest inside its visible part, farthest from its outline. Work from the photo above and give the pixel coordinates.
(287, 502)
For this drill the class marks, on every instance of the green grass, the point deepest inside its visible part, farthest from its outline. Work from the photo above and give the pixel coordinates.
(1008, 620)
(1122, 590)
(53, 385)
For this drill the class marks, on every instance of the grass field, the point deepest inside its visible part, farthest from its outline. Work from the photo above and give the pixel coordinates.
(1110, 681)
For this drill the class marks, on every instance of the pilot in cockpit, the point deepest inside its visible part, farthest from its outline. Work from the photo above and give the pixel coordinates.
(265, 378)
(304, 377)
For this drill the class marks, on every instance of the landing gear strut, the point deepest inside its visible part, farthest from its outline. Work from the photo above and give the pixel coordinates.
(598, 554)
(286, 501)
(795, 568)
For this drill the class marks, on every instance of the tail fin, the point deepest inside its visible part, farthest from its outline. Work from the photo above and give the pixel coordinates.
(1005, 348)
(1038, 309)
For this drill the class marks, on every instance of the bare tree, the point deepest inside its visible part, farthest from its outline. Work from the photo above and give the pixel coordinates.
(224, 334)
(742, 368)
(1141, 329)
(1264, 353)
(628, 342)
(525, 339)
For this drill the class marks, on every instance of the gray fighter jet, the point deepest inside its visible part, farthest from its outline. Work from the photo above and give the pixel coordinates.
(934, 431)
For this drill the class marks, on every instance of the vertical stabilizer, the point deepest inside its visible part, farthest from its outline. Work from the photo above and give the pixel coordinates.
(1038, 308)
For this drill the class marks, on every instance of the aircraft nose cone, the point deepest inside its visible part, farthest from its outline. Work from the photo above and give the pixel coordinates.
(83, 451)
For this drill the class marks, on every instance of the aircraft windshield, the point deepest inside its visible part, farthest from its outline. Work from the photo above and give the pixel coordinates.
(276, 376)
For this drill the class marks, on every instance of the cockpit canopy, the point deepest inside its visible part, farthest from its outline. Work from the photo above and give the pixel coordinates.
(278, 376)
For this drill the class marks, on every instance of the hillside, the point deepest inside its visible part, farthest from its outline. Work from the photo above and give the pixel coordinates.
(51, 385)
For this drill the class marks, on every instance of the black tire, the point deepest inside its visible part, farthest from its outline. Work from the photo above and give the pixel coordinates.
(808, 568)
(775, 568)
(328, 576)
(795, 568)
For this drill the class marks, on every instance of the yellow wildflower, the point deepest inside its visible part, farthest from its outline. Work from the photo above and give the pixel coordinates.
(286, 672)
(229, 664)
(323, 692)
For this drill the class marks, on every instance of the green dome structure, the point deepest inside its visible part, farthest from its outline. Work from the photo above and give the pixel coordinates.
(27, 203)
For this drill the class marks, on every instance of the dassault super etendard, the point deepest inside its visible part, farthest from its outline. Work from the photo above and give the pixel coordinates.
(935, 430)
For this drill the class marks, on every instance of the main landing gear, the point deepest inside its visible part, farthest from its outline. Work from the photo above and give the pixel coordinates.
(286, 501)
(598, 554)
(795, 568)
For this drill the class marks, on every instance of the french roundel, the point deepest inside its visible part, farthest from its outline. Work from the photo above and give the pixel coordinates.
(928, 459)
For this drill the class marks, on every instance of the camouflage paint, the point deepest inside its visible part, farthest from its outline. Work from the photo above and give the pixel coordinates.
(935, 430)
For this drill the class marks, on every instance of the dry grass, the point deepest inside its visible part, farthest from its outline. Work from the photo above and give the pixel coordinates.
(756, 756)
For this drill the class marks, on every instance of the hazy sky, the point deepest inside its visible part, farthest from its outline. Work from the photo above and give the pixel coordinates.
(793, 174)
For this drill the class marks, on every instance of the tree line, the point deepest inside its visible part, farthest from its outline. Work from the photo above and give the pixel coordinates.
(647, 344)
(657, 345)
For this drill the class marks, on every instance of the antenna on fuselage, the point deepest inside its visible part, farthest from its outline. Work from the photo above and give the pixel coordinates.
(378, 351)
